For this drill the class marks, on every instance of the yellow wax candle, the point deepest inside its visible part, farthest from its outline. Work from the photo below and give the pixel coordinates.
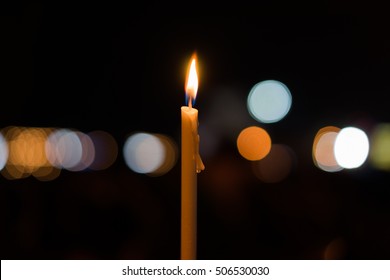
(191, 164)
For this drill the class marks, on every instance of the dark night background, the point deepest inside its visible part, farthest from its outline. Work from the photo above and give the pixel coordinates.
(121, 68)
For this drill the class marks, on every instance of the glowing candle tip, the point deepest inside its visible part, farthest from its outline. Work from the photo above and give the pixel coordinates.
(191, 86)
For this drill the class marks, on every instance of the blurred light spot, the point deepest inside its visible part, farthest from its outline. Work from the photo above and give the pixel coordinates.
(52, 148)
(87, 152)
(149, 154)
(335, 250)
(269, 101)
(171, 155)
(276, 166)
(106, 150)
(380, 147)
(26, 148)
(253, 143)
(3, 151)
(64, 149)
(143, 152)
(323, 149)
(351, 147)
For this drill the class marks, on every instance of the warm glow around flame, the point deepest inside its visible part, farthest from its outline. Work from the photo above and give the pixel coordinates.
(192, 80)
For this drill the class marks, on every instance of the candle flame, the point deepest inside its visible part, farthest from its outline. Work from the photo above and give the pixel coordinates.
(191, 87)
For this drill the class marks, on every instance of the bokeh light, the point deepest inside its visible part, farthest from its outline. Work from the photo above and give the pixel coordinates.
(351, 147)
(171, 155)
(3, 151)
(44, 152)
(380, 147)
(26, 153)
(276, 166)
(269, 101)
(106, 149)
(27, 149)
(151, 154)
(323, 149)
(253, 143)
(87, 152)
(64, 149)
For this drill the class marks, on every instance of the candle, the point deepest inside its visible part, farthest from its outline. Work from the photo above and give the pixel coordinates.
(191, 164)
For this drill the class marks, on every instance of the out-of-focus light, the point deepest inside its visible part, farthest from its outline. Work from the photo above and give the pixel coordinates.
(3, 151)
(149, 154)
(143, 152)
(323, 149)
(27, 155)
(269, 101)
(27, 149)
(106, 149)
(380, 147)
(52, 149)
(253, 143)
(71, 150)
(351, 147)
(64, 149)
(171, 155)
(276, 166)
(87, 152)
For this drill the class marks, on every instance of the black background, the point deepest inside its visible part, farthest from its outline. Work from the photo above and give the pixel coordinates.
(121, 68)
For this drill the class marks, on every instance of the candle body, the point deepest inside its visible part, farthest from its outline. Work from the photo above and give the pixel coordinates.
(189, 142)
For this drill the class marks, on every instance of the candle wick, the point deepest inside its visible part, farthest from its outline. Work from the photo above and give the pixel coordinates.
(190, 102)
